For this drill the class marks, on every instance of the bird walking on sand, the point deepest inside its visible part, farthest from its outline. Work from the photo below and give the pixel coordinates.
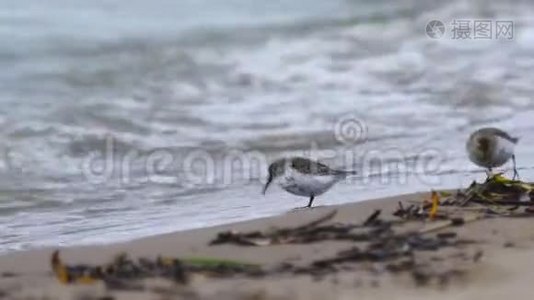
(304, 177)
(491, 148)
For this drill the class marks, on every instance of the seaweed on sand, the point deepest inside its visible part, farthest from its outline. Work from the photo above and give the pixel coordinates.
(314, 231)
(499, 190)
(123, 270)
(497, 195)
(382, 243)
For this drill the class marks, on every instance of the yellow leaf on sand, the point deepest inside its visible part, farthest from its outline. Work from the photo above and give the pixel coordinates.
(59, 269)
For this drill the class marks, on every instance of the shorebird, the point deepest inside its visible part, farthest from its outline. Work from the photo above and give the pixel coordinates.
(303, 177)
(491, 148)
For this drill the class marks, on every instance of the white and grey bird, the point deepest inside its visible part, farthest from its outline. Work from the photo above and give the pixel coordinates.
(491, 148)
(303, 177)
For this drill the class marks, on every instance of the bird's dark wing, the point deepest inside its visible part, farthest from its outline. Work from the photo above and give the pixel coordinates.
(307, 166)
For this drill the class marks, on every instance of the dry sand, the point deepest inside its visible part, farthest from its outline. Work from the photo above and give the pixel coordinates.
(504, 270)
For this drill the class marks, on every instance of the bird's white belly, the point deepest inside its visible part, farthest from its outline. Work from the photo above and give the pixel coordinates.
(502, 152)
(306, 185)
(506, 147)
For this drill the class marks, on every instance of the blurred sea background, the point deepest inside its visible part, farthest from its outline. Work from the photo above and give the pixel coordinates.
(208, 77)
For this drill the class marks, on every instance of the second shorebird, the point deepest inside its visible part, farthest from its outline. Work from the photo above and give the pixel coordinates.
(303, 177)
(491, 148)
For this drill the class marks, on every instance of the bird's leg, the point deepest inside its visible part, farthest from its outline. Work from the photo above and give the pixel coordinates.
(311, 201)
(516, 174)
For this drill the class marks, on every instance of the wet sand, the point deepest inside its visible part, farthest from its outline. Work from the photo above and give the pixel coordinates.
(499, 264)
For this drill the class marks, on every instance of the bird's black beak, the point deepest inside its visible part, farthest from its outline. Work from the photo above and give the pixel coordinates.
(269, 180)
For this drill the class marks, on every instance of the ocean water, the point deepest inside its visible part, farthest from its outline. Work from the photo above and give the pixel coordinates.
(123, 120)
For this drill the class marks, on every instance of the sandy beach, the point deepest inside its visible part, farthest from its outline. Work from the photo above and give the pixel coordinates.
(495, 263)
(137, 138)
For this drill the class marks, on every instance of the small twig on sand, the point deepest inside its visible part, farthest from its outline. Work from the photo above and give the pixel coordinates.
(372, 218)
(316, 222)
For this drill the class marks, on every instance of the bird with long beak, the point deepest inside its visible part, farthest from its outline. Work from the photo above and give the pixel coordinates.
(303, 177)
(491, 148)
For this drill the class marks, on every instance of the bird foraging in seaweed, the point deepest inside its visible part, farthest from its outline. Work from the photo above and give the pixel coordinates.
(491, 148)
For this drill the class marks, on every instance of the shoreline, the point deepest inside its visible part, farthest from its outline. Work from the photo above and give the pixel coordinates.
(176, 231)
(503, 269)
(289, 218)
